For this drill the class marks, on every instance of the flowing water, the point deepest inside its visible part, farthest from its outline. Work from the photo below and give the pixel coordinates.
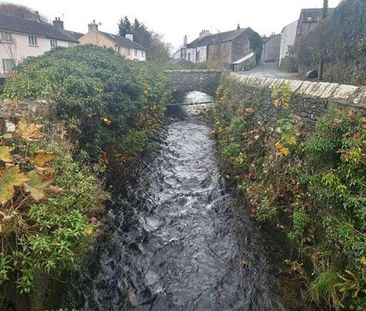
(173, 241)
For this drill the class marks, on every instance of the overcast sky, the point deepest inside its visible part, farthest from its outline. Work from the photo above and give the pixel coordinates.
(175, 18)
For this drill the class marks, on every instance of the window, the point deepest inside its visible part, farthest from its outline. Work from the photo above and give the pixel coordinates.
(189, 57)
(128, 51)
(197, 56)
(53, 43)
(6, 37)
(8, 65)
(71, 44)
(32, 41)
(135, 52)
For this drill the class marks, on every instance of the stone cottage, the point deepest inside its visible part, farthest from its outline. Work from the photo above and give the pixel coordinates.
(221, 48)
(125, 46)
(271, 49)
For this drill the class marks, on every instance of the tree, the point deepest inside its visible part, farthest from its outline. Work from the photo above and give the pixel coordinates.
(157, 49)
(21, 11)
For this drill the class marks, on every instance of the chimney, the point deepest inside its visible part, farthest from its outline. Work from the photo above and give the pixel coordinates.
(203, 33)
(37, 16)
(129, 36)
(238, 28)
(93, 26)
(185, 40)
(58, 23)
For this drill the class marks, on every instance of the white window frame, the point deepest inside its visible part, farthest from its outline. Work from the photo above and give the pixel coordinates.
(33, 41)
(6, 37)
(135, 52)
(5, 64)
(53, 43)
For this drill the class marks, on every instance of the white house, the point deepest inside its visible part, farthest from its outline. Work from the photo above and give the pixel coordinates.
(288, 37)
(21, 38)
(125, 46)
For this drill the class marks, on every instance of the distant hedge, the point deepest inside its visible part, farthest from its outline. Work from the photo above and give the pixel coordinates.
(102, 96)
(342, 39)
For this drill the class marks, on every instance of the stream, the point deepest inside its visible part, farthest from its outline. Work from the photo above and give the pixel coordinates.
(175, 240)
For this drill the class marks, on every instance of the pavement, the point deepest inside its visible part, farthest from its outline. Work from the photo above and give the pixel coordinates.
(271, 70)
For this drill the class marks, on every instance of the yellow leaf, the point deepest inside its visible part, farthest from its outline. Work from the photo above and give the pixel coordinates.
(10, 178)
(89, 230)
(363, 260)
(41, 158)
(37, 185)
(5, 154)
(28, 131)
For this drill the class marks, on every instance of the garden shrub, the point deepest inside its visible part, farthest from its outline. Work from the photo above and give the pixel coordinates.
(100, 94)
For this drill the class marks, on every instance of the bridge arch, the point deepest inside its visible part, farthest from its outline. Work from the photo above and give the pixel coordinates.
(184, 81)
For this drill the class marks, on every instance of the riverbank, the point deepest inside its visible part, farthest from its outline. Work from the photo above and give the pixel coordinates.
(303, 181)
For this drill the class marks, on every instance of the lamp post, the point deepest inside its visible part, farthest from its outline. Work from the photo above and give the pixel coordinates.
(321, 63)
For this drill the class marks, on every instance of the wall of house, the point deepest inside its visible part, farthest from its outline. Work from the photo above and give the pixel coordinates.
(20, 49)
(271, 49)
(240, 47)
(202, 50)
(288, 36)
(97, 38)
(191, 55)
(220, 53)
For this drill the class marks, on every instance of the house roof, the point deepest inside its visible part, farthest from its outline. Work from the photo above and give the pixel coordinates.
(271, 37)
(22, 25)
(74, 34)
(243, 59)
(313, 15)
(217, 38)
(123, 42)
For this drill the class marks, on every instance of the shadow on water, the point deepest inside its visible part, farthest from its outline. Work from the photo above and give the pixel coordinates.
(171, 242)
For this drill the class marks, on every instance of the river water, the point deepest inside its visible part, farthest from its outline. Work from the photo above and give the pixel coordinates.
(174, 240)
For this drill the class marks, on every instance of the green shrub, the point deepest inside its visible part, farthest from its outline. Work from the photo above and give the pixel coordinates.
(100, 94)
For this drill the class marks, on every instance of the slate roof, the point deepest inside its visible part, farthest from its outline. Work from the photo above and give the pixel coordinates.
(217, 38)
(312, 14)
(22, 25)
(123, 42)
(74, 34)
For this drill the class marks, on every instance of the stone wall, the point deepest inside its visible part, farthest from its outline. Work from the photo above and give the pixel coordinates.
(310, 100)
(183, 81)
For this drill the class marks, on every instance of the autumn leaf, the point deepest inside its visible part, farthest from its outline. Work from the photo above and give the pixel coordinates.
(56, 189)
(41, 158)
(282, 149)
(28, 131)
(5, 154)
(89, 230)
(10, 178)
(363, 260)
(37, 185)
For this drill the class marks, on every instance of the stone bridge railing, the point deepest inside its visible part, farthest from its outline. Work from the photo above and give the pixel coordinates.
(183, 81)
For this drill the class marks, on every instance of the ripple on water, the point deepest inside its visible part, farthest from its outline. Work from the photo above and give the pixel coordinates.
(173, 244)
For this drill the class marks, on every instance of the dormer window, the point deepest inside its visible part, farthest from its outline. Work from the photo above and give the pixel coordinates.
(32, 40)
(6, 37)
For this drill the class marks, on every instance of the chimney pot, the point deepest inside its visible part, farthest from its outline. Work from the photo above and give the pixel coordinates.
(93, 26)
(58, 23)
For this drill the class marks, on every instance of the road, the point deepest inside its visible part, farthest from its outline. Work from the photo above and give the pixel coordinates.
(270, 70)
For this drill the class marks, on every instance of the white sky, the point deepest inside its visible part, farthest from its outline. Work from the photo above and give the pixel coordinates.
(175, 18)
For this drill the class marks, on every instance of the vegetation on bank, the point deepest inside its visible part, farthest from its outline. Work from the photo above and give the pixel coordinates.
(51, 168)
(341, 40)
(310, 187)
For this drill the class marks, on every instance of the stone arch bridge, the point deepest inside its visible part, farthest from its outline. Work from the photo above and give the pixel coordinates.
(183, 81)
